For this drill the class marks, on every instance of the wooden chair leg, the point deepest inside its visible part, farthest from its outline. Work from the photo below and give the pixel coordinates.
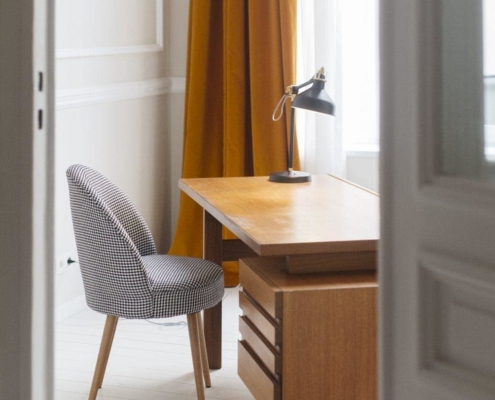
(107, 355)
(204, 356)
(104, 353)
(192, 323)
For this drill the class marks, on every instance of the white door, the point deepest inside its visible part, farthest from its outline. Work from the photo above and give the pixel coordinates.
(26, 199)
(437, 250)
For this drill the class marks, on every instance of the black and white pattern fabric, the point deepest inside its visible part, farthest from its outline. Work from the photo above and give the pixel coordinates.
(182, 285)
(122, 274)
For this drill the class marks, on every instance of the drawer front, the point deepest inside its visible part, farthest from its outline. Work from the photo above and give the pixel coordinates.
(259, 382)
(260, 288)
(265, 352)
(265, 324)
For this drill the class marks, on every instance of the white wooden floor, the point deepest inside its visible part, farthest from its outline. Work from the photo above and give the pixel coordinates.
(147, 361)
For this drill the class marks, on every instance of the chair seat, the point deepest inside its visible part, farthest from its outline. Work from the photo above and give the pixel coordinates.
(182, 285)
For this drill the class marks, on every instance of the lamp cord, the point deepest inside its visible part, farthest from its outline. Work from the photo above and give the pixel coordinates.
(280, 106)
(291, 92)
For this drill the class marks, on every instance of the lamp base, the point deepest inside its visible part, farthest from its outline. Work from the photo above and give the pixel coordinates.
(290, 177)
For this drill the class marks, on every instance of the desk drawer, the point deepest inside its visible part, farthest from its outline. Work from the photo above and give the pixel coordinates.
(265, 352)
(259, 381)
(260, 288)
(270, 330)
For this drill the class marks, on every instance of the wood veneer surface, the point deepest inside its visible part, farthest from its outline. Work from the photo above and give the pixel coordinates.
(272, 272)
(336, 331)
(250, 371)
(326, 215)
(329, 331)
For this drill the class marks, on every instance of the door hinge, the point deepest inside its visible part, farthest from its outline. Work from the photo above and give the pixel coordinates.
(40, 81)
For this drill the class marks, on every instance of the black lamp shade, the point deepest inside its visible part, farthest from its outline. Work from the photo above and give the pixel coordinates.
(315, 99)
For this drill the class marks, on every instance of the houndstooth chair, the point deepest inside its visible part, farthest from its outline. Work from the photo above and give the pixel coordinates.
(124, 277)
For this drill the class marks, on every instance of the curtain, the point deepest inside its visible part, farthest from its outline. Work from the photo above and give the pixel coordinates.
(241, 56)
(321, 140)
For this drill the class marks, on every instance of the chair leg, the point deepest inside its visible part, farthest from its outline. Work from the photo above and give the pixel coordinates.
(204, 356)
(113, 327)
(104, 353)
(192, 323)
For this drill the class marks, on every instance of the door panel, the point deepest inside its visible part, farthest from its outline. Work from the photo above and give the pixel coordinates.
(467, 67)
(437, 250)
(457, 321)
(460, 47)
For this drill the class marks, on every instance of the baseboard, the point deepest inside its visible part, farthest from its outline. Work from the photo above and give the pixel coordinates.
(70, 308)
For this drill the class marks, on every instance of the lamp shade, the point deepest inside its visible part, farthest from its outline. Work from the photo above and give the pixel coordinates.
(315, 99)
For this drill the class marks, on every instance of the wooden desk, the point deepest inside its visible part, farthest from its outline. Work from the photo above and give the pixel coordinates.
(324, 225)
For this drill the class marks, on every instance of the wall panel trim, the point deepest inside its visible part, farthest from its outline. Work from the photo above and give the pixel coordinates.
(87, 95)
(107, 51)
(114, 50)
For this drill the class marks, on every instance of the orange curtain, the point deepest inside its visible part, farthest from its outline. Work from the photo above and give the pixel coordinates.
(241, 56)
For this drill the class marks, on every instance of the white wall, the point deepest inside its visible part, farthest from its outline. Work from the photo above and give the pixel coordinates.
(178, 57)
(362, 168)
(120, 96)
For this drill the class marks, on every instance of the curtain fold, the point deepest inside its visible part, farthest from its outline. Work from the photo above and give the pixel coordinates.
(241, 56)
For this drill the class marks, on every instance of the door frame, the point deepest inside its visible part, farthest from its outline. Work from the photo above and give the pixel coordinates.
(27, 200)
(416, 201)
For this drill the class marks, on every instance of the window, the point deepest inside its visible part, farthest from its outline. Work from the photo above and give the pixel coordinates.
(360, 74)
(342, 36)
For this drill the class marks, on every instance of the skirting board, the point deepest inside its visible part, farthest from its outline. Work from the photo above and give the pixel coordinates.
(70, 308)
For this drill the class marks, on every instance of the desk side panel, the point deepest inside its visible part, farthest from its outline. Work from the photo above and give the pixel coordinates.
(337, 330)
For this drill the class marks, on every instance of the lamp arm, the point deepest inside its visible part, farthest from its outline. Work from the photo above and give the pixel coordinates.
(294, 89)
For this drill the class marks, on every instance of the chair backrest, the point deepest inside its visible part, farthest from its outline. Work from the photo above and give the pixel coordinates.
(111, 237)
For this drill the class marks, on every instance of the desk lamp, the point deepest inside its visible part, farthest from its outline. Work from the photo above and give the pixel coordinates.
(314, 99)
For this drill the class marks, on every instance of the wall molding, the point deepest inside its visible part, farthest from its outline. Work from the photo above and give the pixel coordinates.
(115, 50)
(107, 51)
(88, 95)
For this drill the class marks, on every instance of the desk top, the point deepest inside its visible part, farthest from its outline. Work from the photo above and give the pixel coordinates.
(327, 215)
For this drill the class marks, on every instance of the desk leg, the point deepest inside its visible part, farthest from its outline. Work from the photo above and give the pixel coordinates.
(212, 251)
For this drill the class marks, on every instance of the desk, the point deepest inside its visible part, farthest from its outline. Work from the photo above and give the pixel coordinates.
(318, 227)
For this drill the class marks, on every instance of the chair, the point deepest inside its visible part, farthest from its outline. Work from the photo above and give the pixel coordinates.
(124, 277)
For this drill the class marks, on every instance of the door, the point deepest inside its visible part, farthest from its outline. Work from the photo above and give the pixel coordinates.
(437, 250)
(26, 199)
